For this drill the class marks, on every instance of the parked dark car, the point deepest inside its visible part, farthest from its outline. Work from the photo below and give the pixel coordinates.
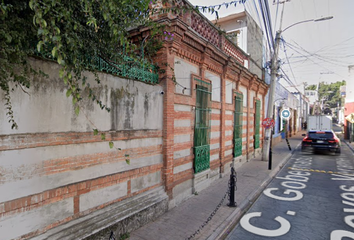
(321, 140)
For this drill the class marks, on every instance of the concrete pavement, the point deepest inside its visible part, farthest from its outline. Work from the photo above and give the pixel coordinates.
(206, 216)
(339, 131)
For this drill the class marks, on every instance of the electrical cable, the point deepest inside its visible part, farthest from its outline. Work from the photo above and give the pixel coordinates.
(316, 63)
(286, 55)
(269, 20)
(324, 59)
(276, 14)
(266, 26)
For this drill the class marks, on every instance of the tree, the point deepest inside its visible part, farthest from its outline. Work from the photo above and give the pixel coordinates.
(330, 93)
(73, 32)
(311, 87)
(69, 32)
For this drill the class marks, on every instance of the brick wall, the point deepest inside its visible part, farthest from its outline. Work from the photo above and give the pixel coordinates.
(189, 56)
(54, 170)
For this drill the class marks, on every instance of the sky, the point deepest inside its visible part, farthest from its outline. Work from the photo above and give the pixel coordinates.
(310, 52)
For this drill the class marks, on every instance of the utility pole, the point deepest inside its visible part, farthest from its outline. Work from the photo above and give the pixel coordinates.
(273, 77)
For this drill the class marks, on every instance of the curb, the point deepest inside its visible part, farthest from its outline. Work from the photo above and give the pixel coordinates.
(231, 221)
(346, 142)
(349, 146)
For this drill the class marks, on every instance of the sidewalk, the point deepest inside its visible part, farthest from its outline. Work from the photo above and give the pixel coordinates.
(184, 220)
(339, 133)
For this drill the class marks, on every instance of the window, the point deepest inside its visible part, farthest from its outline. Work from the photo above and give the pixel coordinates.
(202, 126)
(257, 119)
(238, 115)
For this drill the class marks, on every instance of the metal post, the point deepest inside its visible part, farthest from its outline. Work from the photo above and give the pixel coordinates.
(232, 186)
(287, 141)
(274, 69)
(270, 154)
(112, 237)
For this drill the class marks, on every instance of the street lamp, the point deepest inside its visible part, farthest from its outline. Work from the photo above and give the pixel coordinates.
(310, 20)
(274, 70)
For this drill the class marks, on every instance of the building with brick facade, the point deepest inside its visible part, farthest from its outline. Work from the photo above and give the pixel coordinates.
(349, 106)
(60, 181)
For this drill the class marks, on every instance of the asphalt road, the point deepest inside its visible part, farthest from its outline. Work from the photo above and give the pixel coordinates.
(312, 198)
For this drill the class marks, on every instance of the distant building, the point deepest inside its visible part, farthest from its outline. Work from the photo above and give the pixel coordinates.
(247, 35)
(349, 106)
(315, 106)
(312, 95)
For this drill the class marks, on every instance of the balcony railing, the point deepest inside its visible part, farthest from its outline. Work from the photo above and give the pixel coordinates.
(208, 31)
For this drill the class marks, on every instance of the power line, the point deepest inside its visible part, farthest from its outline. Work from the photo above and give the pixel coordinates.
(286, 55)
(335, 62)
(266, 23)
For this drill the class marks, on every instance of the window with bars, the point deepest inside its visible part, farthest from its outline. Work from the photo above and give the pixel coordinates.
(257, 120)
(202, 126)
(238, 115)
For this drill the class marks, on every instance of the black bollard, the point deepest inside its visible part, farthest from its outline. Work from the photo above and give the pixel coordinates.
(287, 141)
(270, 152)
(232, 185)
(112, 237)
(270, 158)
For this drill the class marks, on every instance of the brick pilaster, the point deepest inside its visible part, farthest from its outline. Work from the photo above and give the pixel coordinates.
(222, 120)
(248, 135)
(168, 118)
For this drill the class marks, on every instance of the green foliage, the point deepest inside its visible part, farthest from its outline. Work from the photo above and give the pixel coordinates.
(311, 87)
(127, 160)
(124, 236)
(15, 39)
(65, 31)
(71, 32)
(330, 93)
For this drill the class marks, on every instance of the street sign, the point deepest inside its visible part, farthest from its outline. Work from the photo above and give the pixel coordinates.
(268, 122)
(285, 113)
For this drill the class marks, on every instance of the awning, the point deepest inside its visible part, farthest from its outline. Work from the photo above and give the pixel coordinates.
(350, 118)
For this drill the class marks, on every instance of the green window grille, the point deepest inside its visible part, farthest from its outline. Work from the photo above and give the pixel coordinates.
(257, 121)
(124, 66)
(238, 125)
(202, 127)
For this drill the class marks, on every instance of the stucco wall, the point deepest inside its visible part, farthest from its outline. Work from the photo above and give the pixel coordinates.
(53, 168)
(255, 46)
(245, 96)
(229, 85)
(216, 85)
(46, 109)
(183, 71)
(349, 98)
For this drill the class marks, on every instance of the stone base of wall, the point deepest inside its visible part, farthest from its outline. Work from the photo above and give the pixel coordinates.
(201, 181)
(119, 218)
(258, 152)
(238, 162)
(181, 192)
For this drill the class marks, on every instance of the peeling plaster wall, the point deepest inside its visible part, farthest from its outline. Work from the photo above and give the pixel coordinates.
(183, 71)
(134, 105)
(53, 169)
(216, 84)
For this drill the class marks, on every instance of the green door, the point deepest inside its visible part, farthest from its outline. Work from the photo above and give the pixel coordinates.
(257, 120)
(202, 127)
(238, 125)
